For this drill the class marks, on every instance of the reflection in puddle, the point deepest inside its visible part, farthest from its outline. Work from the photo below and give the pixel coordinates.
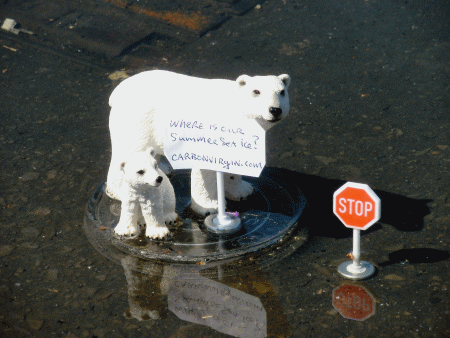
(232, 305)
(354, 301)
(144, 292)
(218, 306)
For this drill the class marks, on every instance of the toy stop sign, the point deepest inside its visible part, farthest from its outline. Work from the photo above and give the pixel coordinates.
(356, 205)
(353, 302)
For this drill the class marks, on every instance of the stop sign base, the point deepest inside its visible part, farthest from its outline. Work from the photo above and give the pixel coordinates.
(350, 271)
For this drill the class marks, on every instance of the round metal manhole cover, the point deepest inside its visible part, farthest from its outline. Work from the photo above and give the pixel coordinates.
(269, 220)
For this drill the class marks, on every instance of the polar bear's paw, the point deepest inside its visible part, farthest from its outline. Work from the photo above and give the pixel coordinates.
(156, 232)
(123, 229)
(237, 192)
(206, 208)
(170, 217)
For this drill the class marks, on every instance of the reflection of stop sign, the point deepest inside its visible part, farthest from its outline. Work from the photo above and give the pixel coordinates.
(353, 302)
(356, 205)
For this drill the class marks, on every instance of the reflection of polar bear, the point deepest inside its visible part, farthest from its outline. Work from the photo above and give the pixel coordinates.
(141, 103)
(146, 195)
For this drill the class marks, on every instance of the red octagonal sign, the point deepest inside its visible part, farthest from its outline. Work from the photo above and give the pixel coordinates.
(356, 205)
(354, 301)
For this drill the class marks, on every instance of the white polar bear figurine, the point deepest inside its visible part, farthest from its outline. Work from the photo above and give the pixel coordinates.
(141, 103)
(147, 197)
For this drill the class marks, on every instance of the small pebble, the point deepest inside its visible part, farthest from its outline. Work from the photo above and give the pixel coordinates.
(394, 277)
(51, 174)
(5, 250)
(30, 232)
(35, 324)
(117, 75)
(29, 176)
(29, 245)
(326, 160)
(41, 211)
(52, 274)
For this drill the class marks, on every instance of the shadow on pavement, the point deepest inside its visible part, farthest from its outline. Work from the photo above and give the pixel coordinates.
(403, 213)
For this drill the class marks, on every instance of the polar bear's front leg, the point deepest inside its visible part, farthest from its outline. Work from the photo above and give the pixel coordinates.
(157, 231)
(154, 219)
(204, 191)
(114, 180)
(236, 188)
(128, 223)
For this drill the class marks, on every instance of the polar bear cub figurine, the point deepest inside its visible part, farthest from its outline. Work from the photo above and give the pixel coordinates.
(147, 196)
(141, 104)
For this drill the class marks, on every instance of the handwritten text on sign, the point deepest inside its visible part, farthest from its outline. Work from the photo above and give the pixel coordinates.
(236, 147)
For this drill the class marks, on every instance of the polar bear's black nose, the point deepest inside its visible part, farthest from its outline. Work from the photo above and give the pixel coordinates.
(276, 112)
(159, 179)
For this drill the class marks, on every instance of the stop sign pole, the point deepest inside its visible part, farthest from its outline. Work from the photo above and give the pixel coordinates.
(358, 208)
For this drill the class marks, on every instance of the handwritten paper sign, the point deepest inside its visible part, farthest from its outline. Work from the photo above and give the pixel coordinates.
(227, 310)
(237, 147)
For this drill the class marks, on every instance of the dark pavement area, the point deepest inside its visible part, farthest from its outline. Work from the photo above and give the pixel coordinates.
(369, 104)
(104, 30)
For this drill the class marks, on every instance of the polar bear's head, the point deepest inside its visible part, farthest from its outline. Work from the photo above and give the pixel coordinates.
(264, 98)
(140, 170)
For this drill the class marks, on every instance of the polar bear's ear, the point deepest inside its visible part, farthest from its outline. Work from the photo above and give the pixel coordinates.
(152, 151)
(242, 80)
(286, 79)
(122, 166)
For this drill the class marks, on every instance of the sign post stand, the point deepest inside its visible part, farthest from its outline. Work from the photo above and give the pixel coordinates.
(222, 223)
(357, 207)
(356, 269)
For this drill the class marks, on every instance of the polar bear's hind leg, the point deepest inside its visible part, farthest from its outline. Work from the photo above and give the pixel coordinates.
(236, 188)
(204, 192)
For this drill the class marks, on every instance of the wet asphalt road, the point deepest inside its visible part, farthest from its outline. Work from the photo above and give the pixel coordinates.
(369, 103)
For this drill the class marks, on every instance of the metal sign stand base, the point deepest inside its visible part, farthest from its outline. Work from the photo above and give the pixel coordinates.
(233, 225)
(222, 223)
(356, 269)
(349, 270)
